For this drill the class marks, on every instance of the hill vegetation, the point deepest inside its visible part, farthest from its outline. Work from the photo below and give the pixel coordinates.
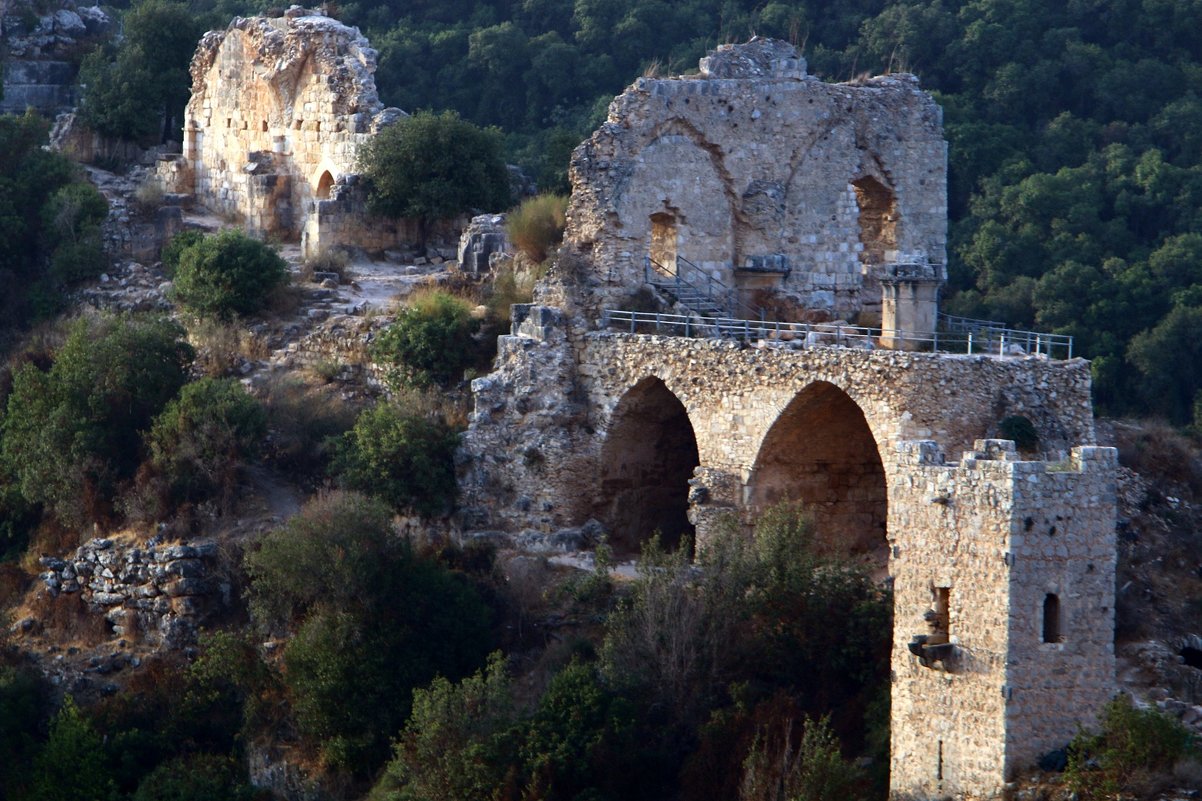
(1075, 202)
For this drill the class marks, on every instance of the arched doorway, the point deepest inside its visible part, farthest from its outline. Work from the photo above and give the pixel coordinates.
(821, 454)
(324, 184)
(646, 463)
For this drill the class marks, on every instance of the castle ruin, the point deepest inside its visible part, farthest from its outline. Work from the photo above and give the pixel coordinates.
(279, 108)
(754, 184)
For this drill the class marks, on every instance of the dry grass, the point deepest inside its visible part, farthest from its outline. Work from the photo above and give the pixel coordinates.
(68, 617)
(222, 347)
(536, 226)
(1161, 454)
(327, 261)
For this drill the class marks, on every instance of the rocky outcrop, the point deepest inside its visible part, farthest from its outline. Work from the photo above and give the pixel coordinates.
(43, 48)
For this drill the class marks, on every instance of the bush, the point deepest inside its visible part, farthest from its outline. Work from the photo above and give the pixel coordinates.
(457, 743)
(72, 763)
(434, 166)
(430, 340)
(536, 226)
(202, 437)
(175, 248)
(372, 621)
(1132, 756)
(305, 425)
(196, 777)
(403, 457)
(23, 698)
(811, 770)
(227, 274)
(72, 434)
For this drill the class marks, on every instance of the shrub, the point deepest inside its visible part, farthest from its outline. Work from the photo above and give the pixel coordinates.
(536, 226)
(1021, 430)
(1132, 756)
(72, 434)
(23, 697)
(196, 777)
(175, 248)
(202, 437)
(810, 770)
(456, 742)
(227, 274)
(305, 425)
(430, 340)
(72, 763)
(372, 620)
(405, 458)
(434, 166)
(329, 260)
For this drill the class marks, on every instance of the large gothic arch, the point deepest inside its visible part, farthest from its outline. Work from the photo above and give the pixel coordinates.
(646, 461)
(822, 455)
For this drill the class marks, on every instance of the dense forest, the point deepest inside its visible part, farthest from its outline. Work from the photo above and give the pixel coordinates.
(1075, 131)
(1075, 198)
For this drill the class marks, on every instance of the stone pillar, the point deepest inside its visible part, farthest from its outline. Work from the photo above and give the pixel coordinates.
(909, 305)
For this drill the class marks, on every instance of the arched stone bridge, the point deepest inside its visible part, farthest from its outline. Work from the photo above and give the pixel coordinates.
(668, 433)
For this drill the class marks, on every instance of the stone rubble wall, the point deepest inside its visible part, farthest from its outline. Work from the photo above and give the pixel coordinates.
(159, 592)
(963, 727)
(40, 62)
(755, 159)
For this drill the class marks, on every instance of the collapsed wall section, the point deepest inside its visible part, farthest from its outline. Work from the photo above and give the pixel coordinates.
(978, 695)
(752, 170)
(279, 109)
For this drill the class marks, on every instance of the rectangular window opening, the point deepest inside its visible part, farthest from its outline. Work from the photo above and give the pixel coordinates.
(941, 620)
(1051, 618)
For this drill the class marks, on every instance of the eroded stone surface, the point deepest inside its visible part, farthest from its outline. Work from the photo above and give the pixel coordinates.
(753, 168)
(279, 109)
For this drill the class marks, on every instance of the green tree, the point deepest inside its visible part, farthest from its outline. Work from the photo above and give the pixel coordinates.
(137, 89)
(72, 763)
(400, 456)
(432, 167)
(227, 274)
(430, 340)
(72, 433)
(203, 436)
(1132, 755)
(372, 620)
(457, 743)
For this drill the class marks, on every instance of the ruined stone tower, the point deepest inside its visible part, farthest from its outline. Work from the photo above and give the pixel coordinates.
(756, 177)
(279, 109)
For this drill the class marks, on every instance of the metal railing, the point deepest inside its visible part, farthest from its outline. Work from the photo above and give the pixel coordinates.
(686, 275)
(1000, 342)
(990, 334)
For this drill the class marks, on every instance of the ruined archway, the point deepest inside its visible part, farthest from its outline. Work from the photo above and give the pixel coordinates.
(821, 454)
(324, 184)
(646, 462)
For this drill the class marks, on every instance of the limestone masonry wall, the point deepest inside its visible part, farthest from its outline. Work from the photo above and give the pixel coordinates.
(278, 111)
(753, 166)
(1000, 536)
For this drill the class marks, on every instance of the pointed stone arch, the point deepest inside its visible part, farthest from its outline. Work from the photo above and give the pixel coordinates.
(647, 458)
(325, 183)
(821, 454)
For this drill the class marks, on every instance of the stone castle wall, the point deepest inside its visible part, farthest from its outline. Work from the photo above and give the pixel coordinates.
(556, 398)
(754, 164)
(998, 534)
(980, 529)
(279, 108)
